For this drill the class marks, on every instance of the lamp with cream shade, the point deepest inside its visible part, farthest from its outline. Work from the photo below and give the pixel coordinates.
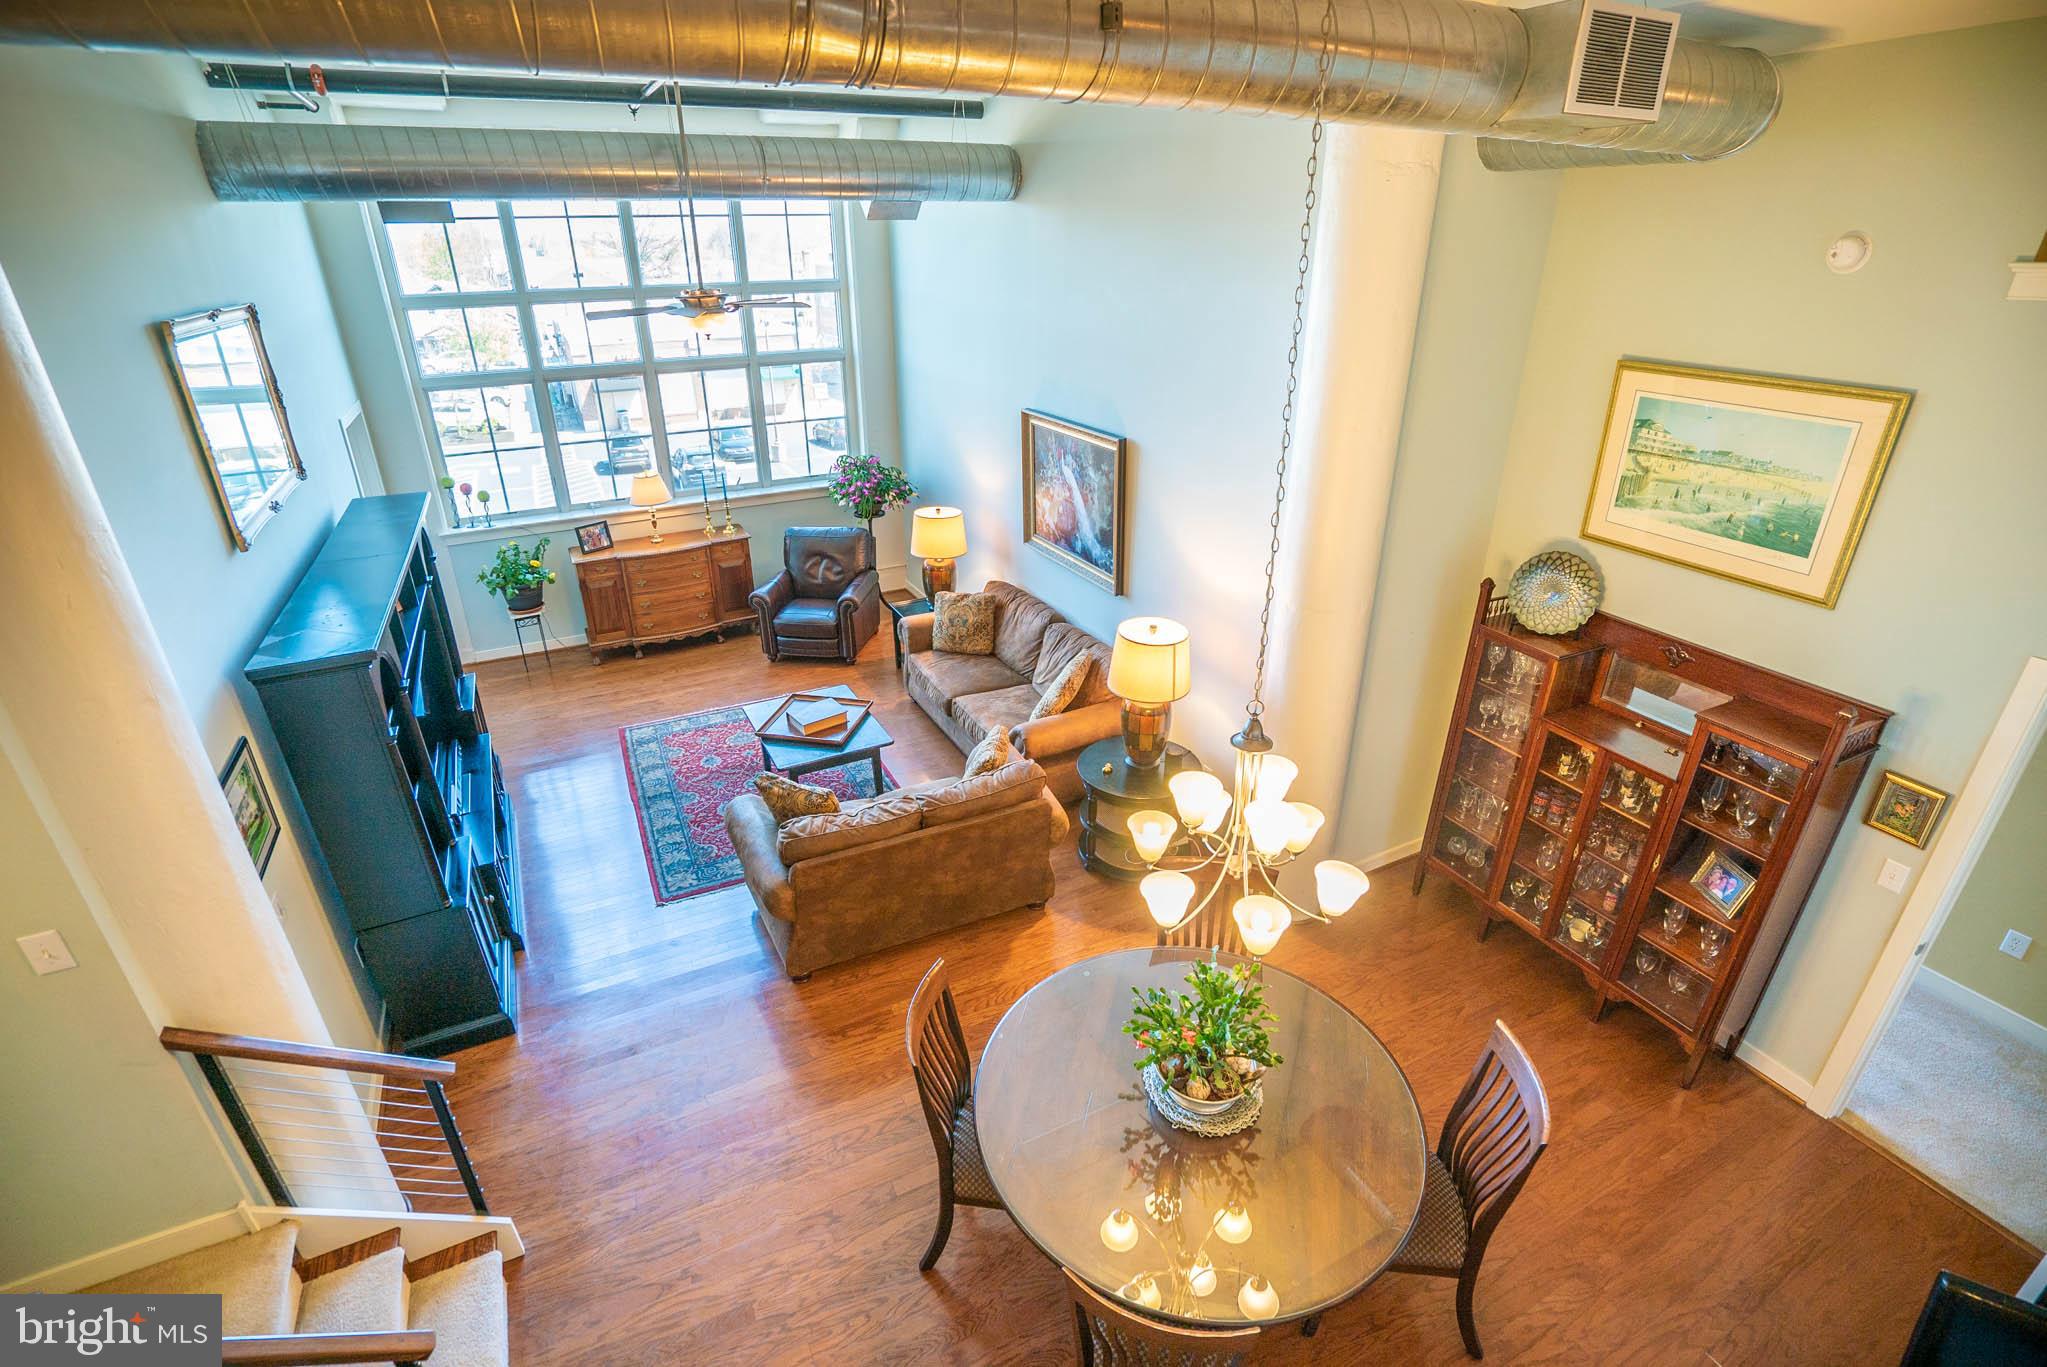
(938, 537)
(1149, 669)
(649, 491)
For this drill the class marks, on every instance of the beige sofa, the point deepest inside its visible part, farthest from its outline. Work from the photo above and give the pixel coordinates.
(885, 870)
(971, 695)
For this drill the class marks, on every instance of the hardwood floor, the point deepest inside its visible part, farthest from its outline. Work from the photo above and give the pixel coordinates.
(710, 1163)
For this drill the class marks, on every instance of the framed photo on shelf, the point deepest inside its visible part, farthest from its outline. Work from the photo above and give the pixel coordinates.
(593, 537)
(1073, 479)
(248, 801)
(1905, 808)
(1723, 882)
(1762, 479)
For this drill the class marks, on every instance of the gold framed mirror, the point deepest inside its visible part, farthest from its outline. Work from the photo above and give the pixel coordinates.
(237, 415)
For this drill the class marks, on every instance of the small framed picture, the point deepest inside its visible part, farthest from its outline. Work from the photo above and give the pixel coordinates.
(593, 537)
(248, 801)
(1905, 808)
(1723, 882)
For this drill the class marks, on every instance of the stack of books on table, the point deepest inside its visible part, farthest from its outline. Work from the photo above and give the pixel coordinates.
(816, 718)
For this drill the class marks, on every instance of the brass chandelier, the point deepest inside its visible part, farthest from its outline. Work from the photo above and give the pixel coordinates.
(1248, 831)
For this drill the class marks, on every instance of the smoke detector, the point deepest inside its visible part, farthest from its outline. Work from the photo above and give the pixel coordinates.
(1620, 61)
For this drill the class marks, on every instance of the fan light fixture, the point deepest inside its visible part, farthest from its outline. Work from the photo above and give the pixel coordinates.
(1250, 828)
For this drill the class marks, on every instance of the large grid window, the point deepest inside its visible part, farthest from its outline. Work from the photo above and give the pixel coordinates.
(552, 410)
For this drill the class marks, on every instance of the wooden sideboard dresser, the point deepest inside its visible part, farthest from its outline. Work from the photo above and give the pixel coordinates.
(641, 591)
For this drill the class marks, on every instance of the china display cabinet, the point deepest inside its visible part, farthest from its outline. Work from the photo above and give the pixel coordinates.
(1653, 811)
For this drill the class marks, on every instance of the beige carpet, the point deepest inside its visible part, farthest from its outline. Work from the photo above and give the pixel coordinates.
(1964, 1103)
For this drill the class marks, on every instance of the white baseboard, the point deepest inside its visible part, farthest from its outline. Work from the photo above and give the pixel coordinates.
(1391, 856)
(109, 1263)
(319, 1231)
(1800, 1088)
(1994, 1014)
(511, 652)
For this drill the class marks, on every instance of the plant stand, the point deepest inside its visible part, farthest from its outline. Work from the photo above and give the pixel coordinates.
(535, 617)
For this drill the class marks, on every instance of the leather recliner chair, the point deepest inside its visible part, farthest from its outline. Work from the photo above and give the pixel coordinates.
(826, 602)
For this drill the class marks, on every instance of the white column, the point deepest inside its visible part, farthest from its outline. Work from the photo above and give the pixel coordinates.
(1370, 252)
(125, 783)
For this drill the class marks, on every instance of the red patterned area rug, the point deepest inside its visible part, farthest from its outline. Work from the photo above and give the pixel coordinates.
(682, 772)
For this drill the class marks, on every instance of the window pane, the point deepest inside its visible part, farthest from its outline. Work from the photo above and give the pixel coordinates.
(810, 248)
(440, 341)
(813, 329)
(568, 336)
(606, 434)
(806, 409)
(676, 338)
(767, 247)
(661, 229)
(710, 411)
(421, 253)
(491, 440)
(600, 251)
(544, 248)
(495, 335)
(201, 363)
(238, 345)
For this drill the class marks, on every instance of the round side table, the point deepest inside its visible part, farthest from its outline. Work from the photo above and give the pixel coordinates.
(1113, 790)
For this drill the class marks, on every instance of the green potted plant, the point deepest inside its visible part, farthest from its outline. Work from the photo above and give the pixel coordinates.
(519, 576)
(1212, 1047)
(868, 487)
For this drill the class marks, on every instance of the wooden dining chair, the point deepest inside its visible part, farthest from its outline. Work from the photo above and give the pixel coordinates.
(1112, 1334)
(1213, 927)
(1496, 1129)
(945, 1085)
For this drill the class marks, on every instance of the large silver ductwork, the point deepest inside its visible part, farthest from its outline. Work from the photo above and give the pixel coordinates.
(1454, 65)
(266, 161)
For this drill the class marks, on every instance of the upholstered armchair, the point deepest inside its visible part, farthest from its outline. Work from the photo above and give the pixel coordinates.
(826, 602)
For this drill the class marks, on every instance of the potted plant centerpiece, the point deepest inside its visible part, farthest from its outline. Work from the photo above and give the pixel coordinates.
(1210, 1048)
(521, 577)
(868, 487)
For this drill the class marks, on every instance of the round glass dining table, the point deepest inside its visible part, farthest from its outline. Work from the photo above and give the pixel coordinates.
(1282, 1220)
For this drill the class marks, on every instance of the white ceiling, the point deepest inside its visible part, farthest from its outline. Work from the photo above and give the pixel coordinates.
(1799, 25)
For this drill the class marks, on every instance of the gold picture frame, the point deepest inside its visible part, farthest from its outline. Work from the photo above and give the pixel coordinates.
(1905, 808)
(1765, 480)
(237, 414)
(1723, 882)
(1078, 517)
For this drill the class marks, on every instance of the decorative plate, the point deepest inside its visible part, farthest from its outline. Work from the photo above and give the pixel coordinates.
(1239, 1114)
(1554, 593)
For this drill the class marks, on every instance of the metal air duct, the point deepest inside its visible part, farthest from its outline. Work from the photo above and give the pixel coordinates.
(297, 161)
(1459, 66)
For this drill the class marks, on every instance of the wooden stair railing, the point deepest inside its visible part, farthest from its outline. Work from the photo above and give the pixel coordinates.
(310, 1350)
(397, 1101)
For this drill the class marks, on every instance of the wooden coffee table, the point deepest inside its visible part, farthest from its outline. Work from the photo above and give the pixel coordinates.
(793, 758)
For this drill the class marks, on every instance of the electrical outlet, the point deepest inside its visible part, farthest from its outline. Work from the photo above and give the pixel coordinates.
(47, 952)
(2015, 944)
(1893, 877)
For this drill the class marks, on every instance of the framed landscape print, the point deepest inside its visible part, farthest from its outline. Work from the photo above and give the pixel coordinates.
(248, 801)
(1755, 478)
(1073, 497)
(1905, 808)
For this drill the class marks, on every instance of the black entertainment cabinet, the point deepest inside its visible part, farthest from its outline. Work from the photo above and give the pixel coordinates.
(385, 737)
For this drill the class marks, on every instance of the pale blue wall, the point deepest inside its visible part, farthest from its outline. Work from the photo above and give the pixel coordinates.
(106, 227)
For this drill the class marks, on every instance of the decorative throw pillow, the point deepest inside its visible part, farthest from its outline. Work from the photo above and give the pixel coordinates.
(964, 623)
(1064, 688)
(788, 799)
(994, 752)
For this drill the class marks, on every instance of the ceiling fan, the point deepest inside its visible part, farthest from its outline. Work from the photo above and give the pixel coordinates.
(700, 306)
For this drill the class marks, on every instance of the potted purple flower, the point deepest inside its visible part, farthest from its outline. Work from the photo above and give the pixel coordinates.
(868, 487)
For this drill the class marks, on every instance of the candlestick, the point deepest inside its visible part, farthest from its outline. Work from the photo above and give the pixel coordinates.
(725, 492)
(704, 492)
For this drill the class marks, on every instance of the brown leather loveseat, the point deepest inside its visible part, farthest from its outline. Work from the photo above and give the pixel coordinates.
(885, 870)
(971, 695)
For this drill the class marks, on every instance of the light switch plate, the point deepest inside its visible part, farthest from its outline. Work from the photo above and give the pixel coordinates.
(2015, 943)
(1894, 875)
(46, 952)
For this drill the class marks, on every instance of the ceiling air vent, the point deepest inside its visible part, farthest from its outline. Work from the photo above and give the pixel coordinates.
(1620, 61)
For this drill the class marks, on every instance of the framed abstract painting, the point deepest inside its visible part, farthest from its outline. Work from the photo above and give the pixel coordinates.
(1757, 478)
(1073, 480)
